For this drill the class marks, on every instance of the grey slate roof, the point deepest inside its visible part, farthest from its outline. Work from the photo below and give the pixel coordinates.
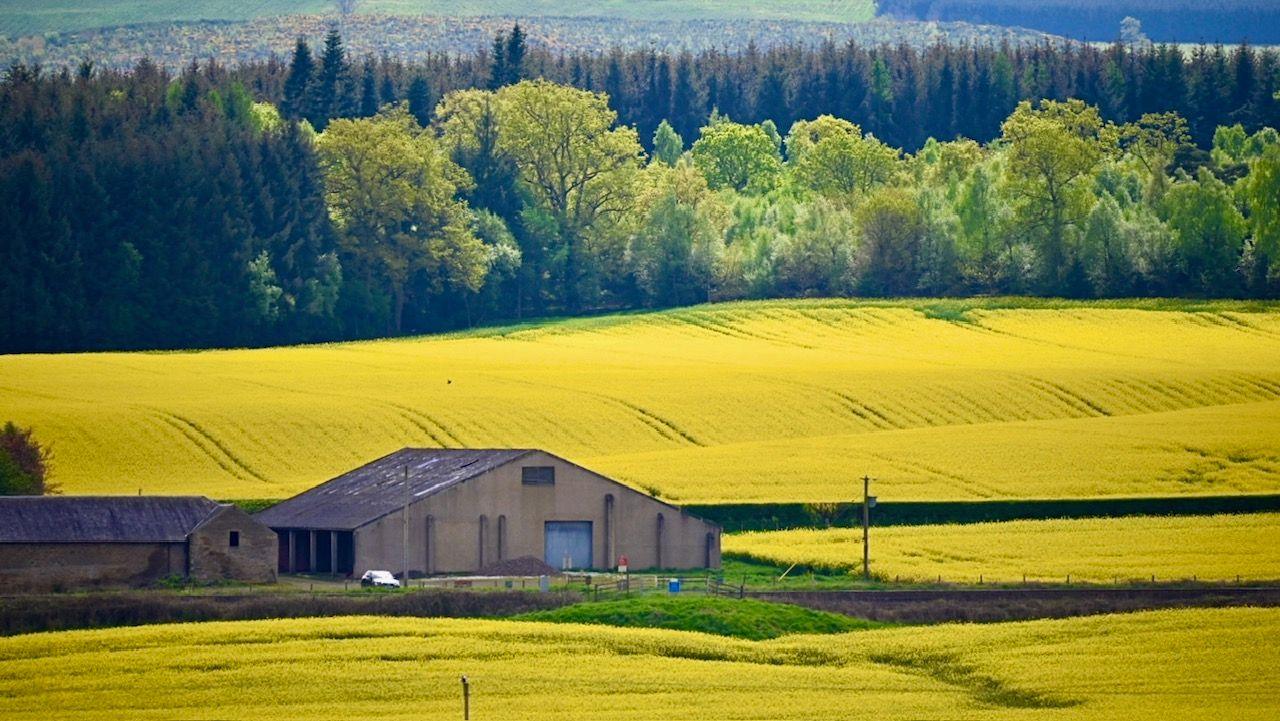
(101, 519)
(372, 491)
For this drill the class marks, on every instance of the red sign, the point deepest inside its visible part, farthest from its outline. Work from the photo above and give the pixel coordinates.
(622, 563)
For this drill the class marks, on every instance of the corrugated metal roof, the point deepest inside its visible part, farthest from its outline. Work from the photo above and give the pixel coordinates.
(101, 519)
(378, 488)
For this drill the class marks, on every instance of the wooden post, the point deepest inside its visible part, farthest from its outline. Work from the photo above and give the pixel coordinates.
(866, 528)
(293, 551)
(466, 699)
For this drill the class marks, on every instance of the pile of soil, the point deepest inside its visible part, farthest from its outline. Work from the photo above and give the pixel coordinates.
(523, 566)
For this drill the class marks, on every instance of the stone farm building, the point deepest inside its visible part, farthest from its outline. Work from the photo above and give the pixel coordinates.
(65, 542)
(457, 511)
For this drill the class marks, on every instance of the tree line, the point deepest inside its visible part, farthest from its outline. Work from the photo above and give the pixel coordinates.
(325, 199)
(902, 95)
(1187, 21)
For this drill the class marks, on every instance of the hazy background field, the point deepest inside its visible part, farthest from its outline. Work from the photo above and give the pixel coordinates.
(768, 401)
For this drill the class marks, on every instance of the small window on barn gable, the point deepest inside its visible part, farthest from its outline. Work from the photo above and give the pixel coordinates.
(538, 475)
(234, 539)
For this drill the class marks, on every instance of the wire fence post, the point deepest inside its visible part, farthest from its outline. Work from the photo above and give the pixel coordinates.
(466, 699)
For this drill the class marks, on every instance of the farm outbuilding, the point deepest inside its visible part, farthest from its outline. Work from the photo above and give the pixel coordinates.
(67, 542)
(430, 511)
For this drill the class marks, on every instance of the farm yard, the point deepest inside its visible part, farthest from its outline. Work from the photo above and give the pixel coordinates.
(756, 401)
(1195, 664)
(1106, 550)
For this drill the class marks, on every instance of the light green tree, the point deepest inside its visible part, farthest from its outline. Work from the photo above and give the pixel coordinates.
(391, 193)
(1104, 248)
(1261, 193)
(742, 157)
(678, 246)
(819, 257)
(576, 166)
(892, 226)
(831, 157)
(991, 255)
(1209, 231)
(1053, 148)
(668, 146)
(1153, 141)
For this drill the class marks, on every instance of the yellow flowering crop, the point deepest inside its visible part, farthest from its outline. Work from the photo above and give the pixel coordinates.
(767, 401)
(1186, 664)
(1093, 550)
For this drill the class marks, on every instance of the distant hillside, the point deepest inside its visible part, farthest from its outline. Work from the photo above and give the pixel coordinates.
(1185, 21)
(176, 44)
(24, 17)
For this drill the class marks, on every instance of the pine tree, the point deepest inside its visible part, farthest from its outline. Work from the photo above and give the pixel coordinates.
(419, 98)
(301, 68)
(1242, 94)
(686, 112)
(498, 62)
(388, 91)
(332, 83)
(368, 93)
(515, 56)
(771, 101)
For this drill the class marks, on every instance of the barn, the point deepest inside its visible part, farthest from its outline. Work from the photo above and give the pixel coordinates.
(431, 511)
(67, 542)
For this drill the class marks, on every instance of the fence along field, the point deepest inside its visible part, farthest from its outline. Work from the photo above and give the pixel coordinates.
(761, 401)
(1103, 550)
(1187, 664)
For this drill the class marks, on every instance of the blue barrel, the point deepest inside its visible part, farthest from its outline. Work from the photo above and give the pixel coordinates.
(673, 585)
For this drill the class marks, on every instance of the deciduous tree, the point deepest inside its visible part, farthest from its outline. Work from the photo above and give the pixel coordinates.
(392, 192)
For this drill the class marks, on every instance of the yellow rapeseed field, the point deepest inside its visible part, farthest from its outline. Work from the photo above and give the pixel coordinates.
(761, 401)
(1092, 550)
(1186, 664)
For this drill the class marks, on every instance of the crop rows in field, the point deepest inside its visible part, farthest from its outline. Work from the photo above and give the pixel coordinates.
(1188, 664)
(1102, 550)
(775, 401)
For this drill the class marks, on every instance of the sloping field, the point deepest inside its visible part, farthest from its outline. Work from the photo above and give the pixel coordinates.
(1195, 664)
(770, 401)
(1102, 550)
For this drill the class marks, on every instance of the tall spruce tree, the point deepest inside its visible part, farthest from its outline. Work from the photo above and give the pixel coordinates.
(419, 98)
(498, 62)
(333, 83)
(515, 56)
(294, 104)
(369, 101)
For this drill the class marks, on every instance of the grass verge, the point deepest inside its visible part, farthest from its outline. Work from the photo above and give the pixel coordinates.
(739, 618)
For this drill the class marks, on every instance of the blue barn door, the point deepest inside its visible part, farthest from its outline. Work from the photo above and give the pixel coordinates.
(568, 540)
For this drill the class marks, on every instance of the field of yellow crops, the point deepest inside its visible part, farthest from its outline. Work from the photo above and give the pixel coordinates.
(1102, 550)
(769, 401)
(1189, 664)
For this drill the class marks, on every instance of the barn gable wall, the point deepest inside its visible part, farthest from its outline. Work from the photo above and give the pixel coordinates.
(214, 559)
(448, 534)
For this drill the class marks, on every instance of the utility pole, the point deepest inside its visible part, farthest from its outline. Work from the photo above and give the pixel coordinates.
(404, 543)
(868, 501)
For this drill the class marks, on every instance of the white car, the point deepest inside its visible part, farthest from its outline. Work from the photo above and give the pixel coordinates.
(382, 579)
